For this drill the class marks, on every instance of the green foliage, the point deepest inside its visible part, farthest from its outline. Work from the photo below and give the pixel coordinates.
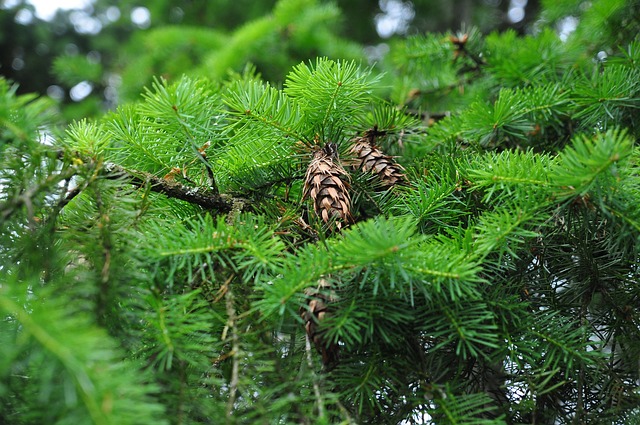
(604, 23)
(274, 43)
(64, 368)
(73, 69)
(610, 94)
(155, 262)
(168, 130)
(149, 50)
(329, 94)
(517, 61)
(21, 116)
(591, 166)
(266, 125)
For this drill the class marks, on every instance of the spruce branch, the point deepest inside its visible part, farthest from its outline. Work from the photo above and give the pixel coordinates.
(77, 352)
(194, 195)
(198, 151)
(74, 365)
(329, 92)
(460, 43)
(628, 218)
(257, 104)
(497, 287)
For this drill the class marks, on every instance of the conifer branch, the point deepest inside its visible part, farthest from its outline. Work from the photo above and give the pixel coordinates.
(73, 364)
(275, 124)
(497, 287)
(199, 152)
(331, 104)
(630, 220)
(194, 195)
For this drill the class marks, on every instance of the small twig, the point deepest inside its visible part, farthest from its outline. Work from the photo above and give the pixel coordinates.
(345, 412)
(221, 358)
(316, 387)
(223, 289)
(235, 350)
(105, 236)
(200, 152)
(8, 208)
(212, 179)
(71, 194)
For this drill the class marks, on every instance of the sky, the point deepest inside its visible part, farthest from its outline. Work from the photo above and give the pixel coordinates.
(45, 9)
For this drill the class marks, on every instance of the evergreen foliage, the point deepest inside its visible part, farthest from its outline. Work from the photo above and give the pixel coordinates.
(294, 30)
(155, 262)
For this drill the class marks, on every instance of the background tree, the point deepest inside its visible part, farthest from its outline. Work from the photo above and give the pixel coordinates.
(109, 51)
(177, 259)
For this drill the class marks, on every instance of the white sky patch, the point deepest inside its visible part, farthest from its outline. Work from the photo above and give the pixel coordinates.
(395, 19)
(46, 9)
(566, 26)
(141, 17)
(516, 10)
(80, 91)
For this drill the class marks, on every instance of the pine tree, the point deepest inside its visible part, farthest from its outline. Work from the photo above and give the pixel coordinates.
(154, 263)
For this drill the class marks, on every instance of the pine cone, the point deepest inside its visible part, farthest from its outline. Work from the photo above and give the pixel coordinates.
(326, 184)
(316, 311)
(370, 159)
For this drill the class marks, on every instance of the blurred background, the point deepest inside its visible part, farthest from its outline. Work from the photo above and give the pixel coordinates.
(89, 56)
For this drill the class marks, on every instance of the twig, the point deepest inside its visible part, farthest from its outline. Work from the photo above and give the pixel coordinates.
(223, 289)
(316, 387)
(235, 350)
(71, 194)
(200, 152)
(105, 236)
(345, 412)
(8, 208)
(212, 179)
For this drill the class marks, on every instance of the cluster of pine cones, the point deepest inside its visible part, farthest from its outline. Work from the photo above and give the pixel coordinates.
(327, 186)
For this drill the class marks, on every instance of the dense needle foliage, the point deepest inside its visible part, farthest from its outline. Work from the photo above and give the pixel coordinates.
(154, 262)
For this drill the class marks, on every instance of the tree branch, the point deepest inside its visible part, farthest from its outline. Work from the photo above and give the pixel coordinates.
(194, 195)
